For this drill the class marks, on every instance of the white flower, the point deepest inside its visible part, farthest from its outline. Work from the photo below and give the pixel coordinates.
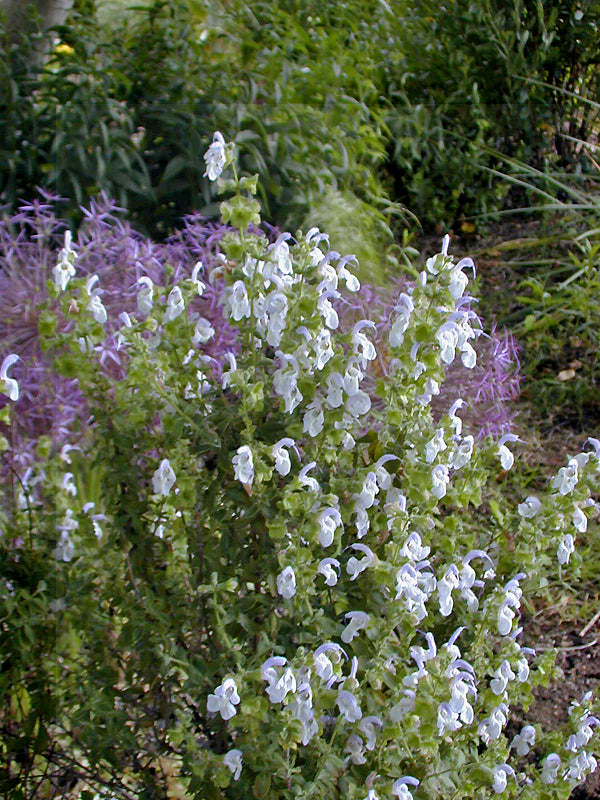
(501, 774)
(286, 583)
(524, 741)
(400, 787)
(68, 484)
(566, 549)
(9, 386)
(215, 157)
(203, 332)
(491, 728)
(355, 566)
(95, 304)
(224, 700)
(358, 403)
(164, 478)
(238, 301)
(567, 477)
(145, 295)
(175, 305)
(243, 465)
(363, 347)
(358, 621)
(314, 418)
(326, 568)
(439, 480)
(348, 706)
(64, 550)
(370, 488)
(507, 459)
(463, 453)
(580, 520)
(282, 457)
(64, 270)
(370, 726)
(329, 520)
(413, 548)
(435, 446)
(352, 282)
(200, 286)
(502, 676)
(550, 768)
(355, 746)
(233, 761)
(529, 508)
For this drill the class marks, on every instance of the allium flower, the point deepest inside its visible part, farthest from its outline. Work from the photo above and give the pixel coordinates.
(233, 761)
(215, 157)
(243, 465)
(224, 700)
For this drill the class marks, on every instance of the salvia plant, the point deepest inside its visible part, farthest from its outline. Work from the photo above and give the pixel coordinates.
(260, 581)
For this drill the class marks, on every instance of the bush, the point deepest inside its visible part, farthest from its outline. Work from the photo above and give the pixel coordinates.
(249, 578)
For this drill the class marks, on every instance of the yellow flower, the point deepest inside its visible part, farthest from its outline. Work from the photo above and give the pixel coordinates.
(64, 48)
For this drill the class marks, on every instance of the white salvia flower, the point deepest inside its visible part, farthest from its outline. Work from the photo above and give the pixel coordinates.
(330, 316)
(414, 549)
(95, 304)
(458, 280)
(164, 478)
(215, 157)
(64, 269)
(224, 700)
(335, 390)
(439, 480)
(447, 336)
(550, 768)
(435, 446)
(447, 719)
(463, 453)
(226, 376)
(323, 349)
(279, 688)
(282, 457)
(355, 746)
(326, 568)
(145, 295)
(502, 676)
(370, 726)
(203, 332)
(175, 305)
(310, 483)
(64, 550)
(454, 419)
(200, 286)
(507, 459)
(580, 766)
(358, 404)
(286, 583)
(522, 670)
(501, 774)
(9, 386)
(363, 347)
(314, 419)
(445, 586)
(372, 795)
(358, 621)
(566, 549)
(567, 477)
(68, 484)
(285, 383)
(491, 728)
(403, 707)
(233, 761)
(238, 302)
(529, 508)
(352, 282)
(355, 566)
(524, 741)
(580, 520)
(366, 498)
(348, 706)
(243, 465)
(329, 520)
(400, 788)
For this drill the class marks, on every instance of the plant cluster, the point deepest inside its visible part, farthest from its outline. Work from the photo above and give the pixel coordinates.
(250, 578)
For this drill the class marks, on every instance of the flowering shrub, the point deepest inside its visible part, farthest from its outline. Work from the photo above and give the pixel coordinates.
(259, 580)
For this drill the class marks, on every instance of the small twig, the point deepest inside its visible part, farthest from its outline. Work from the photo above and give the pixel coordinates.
(568, 649)
(591, 623)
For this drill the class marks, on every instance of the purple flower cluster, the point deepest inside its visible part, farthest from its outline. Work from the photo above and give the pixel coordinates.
(108, 247)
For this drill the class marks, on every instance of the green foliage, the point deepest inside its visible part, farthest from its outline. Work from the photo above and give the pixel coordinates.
(509, 76)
